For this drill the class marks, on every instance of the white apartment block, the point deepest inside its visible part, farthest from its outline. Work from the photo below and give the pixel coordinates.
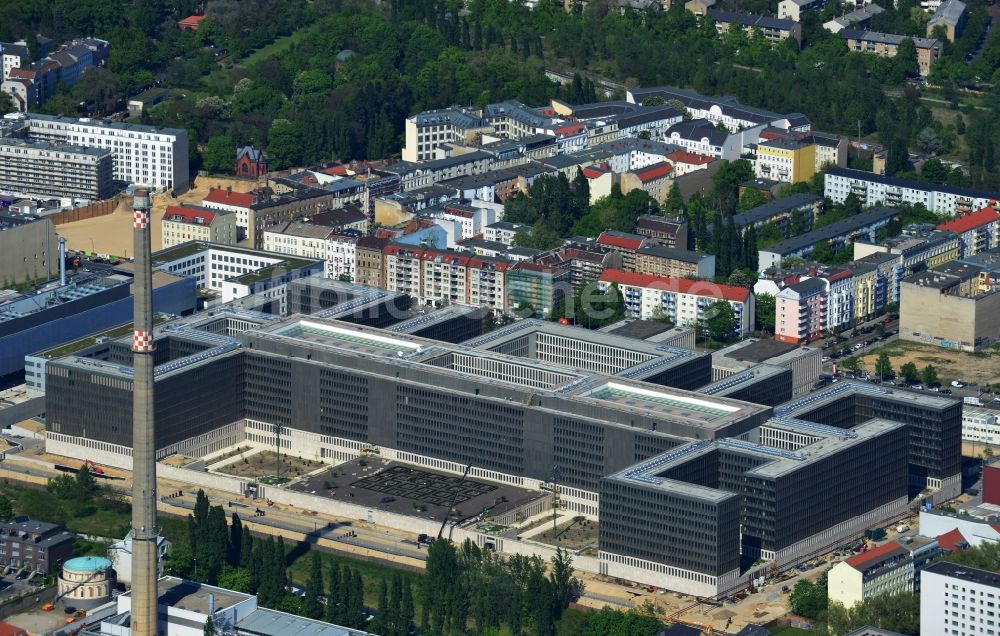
(504, 232)
(980, 425)
(957, 600)
(886, 569)
(157, 157)
(427, 131)
(873, 189)
(682, 301)
(335, 247)
(444, 276)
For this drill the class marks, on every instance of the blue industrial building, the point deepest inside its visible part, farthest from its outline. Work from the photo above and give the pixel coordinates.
(88, 304)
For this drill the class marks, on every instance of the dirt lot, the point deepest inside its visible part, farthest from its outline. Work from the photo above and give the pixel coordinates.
(950, 365)
(574, 535)
(111, 235)
(266, 463)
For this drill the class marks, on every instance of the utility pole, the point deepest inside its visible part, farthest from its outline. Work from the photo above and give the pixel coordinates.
(555, 495)
(278, 429)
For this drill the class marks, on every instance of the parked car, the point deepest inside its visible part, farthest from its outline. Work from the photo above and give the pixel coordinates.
(919, 387)
(958, 384)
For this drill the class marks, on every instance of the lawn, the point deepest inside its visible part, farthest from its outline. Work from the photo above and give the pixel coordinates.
(220, 81)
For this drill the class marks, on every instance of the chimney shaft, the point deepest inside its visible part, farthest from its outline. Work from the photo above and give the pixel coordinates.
(144, 530)
(62, 262)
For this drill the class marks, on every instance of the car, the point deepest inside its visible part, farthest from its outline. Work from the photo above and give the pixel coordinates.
(919, 387)
(958, 384)
(70, 610)
(387, 499)
(946, 391)
(826, 358)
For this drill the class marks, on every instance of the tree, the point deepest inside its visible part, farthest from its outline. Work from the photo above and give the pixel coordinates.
(6, 104)
(852, 364)
(86, 485)
(284, 147)
(752, 198)
(209, 629)
(6, 508)
(311, 606)
(929, 375)
(764, 312)
(719, 320)
(743, 278)
(219, 154)
(808, 599)
(674, 203)
(235, 541)
(935, 171)
(883, 367)
(909, 373)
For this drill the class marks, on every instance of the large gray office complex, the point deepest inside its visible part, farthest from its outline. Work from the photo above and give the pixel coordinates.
(690, 485)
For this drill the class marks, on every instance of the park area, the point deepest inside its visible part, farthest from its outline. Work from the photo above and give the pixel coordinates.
(111, 235)
(265, 464)
(575, 535)
(973, 368)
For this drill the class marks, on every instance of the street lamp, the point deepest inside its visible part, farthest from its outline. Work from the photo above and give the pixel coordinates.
(278, 429)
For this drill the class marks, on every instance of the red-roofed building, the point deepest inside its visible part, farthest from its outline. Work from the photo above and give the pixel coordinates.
(682, 301)
(886, 569)
(953, 541)
(190, 23)
(6, 629)
(183, 223)
(238, 202)
(654, 179)
(685, 162)
(979, 231)
(624, 243)
(250, 163)
(600, 179)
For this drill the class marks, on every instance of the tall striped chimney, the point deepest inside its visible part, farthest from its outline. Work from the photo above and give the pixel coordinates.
(144, 530)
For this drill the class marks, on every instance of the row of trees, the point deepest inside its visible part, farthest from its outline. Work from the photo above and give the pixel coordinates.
(469, 590)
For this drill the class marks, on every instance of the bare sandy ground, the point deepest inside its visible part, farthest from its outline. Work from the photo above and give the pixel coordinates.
(111, 235)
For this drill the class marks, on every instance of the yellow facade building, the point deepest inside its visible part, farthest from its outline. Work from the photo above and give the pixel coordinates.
(786, 160)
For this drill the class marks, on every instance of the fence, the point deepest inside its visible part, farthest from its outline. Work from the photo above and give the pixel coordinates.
(100, 208)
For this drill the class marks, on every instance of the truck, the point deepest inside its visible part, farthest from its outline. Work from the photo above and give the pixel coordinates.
(974, 401)
(902, 527)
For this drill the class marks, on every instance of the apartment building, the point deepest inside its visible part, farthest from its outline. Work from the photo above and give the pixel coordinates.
(657, 260)
(335, 246)
(183, 223)
(733, 115)
(865, 277)
(958, 599)
(858, 18)
(427, 131)
(839, 291)
(536, 287)
(917, 249)
(150, 155)
(774, 29)
(685, 162)
(664, 231)
(951, 16)
(44, 170)
(800, 312)
(369, 259)
(654, 180)
(622, 243)
(236, 202)
(512, 120)
(681, 301)
(886, 569)
(781, 211)
(886, 45)
(873, 189)
(793, 9)
(700, 136)
(977, 232)
(786, 160)
(504, 231)
(445, 276)
(948, 310)
(839, 234)
(12, 56)
(35, 546)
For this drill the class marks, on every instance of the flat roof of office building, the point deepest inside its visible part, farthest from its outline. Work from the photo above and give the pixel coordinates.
(965, 573)
(640, 329)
